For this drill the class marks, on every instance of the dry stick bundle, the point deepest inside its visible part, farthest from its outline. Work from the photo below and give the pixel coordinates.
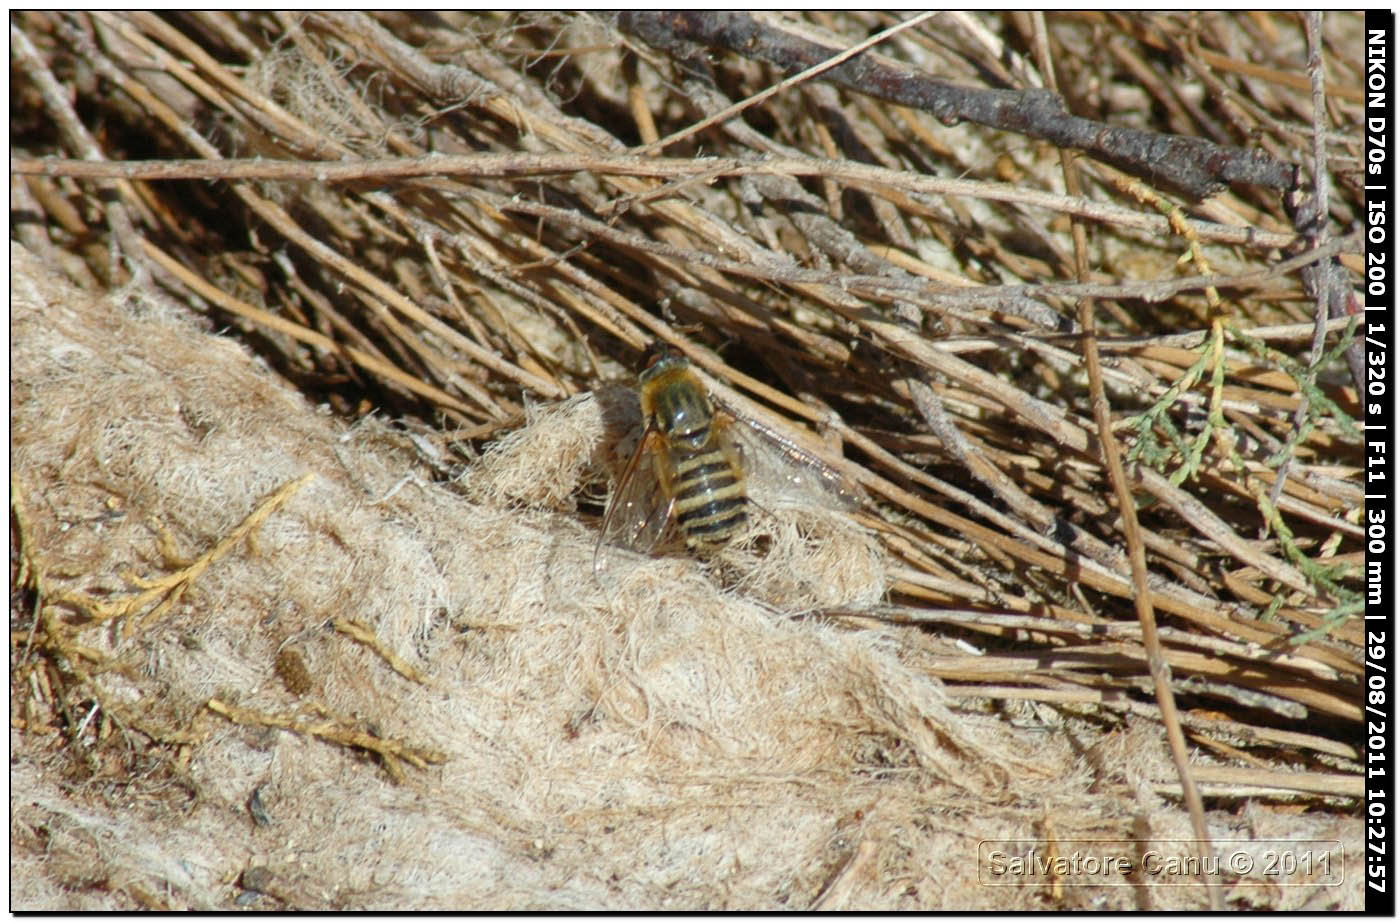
(442, 215)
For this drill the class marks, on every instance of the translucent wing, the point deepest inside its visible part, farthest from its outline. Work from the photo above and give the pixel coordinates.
(639, 512)
(780, 472)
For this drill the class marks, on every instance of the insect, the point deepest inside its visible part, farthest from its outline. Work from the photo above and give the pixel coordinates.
(695, 464)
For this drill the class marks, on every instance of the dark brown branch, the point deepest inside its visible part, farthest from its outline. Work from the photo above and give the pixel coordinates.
(1196, 167)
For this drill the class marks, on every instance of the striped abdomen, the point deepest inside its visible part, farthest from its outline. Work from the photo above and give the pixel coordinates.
(698, 466)
(711, 507)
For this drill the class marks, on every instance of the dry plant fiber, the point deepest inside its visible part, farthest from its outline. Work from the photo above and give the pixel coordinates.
(666, 746)
(274, 647)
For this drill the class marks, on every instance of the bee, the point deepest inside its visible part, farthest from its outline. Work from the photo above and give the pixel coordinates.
(693, 464)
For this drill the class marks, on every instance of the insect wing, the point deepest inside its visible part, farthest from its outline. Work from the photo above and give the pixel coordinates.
(640, 509)
(781, 472)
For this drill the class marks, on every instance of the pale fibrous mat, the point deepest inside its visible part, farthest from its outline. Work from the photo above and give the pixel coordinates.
(263, 656)
(675, 745)
(580, 733)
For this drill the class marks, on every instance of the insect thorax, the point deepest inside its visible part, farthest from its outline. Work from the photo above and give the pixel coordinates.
(674, 401)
